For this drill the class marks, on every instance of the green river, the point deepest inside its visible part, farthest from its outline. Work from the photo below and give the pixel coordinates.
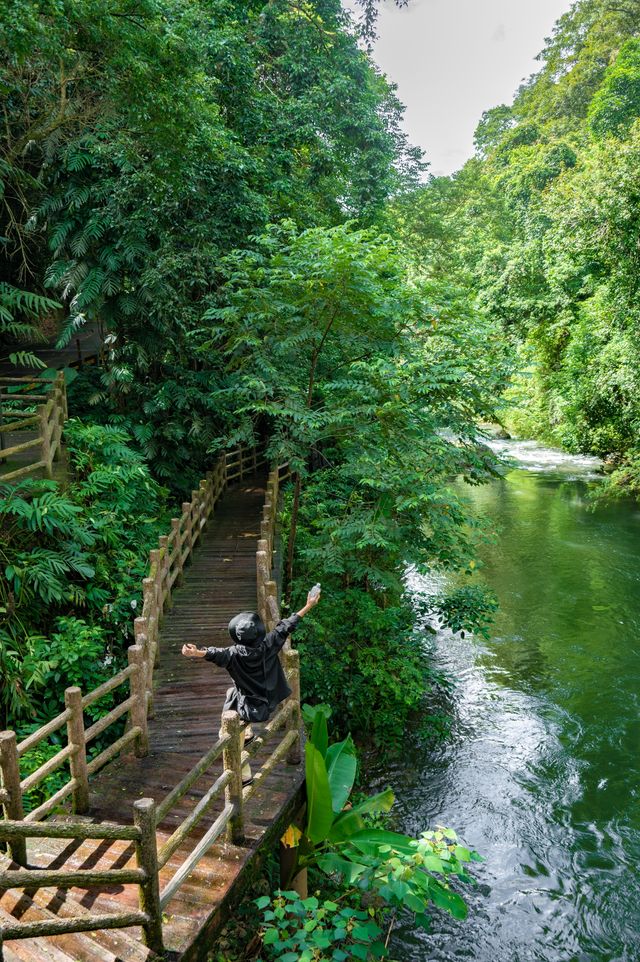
(541, 772)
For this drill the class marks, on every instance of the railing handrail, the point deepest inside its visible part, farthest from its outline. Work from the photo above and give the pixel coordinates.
(166, 565)
(148, 815)
(49, 420)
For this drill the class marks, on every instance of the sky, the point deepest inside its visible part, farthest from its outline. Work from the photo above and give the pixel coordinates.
(453, 59)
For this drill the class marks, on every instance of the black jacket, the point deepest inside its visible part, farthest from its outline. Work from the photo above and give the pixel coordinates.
(256, 670)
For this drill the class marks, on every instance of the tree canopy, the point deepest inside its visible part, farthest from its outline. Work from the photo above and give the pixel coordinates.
(540, 229)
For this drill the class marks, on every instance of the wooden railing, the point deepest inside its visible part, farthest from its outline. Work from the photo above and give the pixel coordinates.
(147, 815)
(166, 565)
(45, 420)
(145, 875)
(268, 601)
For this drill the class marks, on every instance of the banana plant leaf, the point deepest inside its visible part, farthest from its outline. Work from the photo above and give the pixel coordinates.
(319, 733)
(346, 826)
(332, 864)
(319, 808)
(371, 840)
(342, 765)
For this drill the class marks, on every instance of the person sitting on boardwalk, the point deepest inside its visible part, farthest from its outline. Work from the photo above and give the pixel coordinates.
(252, 661)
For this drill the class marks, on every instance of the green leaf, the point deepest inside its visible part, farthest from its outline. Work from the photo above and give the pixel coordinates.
(270, 936)
(375, 804)
(462, 854)
(359, 951)
(345, 826)
(319, 733)
(342, 766)
(333, 864)
(369, 841)
(444, 898)
(319, 808)
(263, 901)
(414, 903)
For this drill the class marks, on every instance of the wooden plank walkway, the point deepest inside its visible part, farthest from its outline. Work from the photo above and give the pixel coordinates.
(188, 698)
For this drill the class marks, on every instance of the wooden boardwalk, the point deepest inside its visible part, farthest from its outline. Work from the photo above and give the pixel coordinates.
(188, 698)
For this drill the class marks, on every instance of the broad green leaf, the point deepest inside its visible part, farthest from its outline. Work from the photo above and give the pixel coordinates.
(319, 808)
(382, 802)
(342, 765)
(333, 864)
(344, 827)
(319, 734)
(369, 841)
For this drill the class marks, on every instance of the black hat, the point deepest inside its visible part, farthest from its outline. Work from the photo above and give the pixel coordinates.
(247, 628)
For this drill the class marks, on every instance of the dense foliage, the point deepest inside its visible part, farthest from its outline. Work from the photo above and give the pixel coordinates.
(540, 232)
(362, 860)
(370, 384)
(143, 141)
(72, 561)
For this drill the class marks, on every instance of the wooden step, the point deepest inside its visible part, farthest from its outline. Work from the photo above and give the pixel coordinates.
(115, 945)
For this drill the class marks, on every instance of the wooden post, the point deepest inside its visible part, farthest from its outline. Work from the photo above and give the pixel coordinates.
(203, 502)
(77, 761)
(187, 514)
(232, 762)
(148, 592)
(164, 571)
(144, 818)
(271, 600)
(138, 691)
(155, 571)
(10, 767)
(292, 668)
(142, 628)
(262, 576)
(45, 443)
(175, 526)
(63, 388)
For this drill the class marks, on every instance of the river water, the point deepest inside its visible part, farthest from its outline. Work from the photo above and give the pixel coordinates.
(541, 771)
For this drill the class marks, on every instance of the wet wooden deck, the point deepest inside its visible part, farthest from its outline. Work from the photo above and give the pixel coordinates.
(188, 699)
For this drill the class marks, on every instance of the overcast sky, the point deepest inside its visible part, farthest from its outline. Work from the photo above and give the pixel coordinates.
(452, 59)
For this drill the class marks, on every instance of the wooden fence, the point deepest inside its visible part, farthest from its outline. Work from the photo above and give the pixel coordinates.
(166, 570)
(42, 413)
(268, 601)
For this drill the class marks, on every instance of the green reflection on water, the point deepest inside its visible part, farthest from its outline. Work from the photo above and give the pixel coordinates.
(568, 581)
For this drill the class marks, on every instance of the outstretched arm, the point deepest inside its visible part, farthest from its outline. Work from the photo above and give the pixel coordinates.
(312, 601)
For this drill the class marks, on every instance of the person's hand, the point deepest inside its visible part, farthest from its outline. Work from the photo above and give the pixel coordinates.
(191, 651)
(313, 599)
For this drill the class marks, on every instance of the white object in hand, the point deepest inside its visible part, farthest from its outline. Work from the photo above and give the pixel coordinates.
(315, 591)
